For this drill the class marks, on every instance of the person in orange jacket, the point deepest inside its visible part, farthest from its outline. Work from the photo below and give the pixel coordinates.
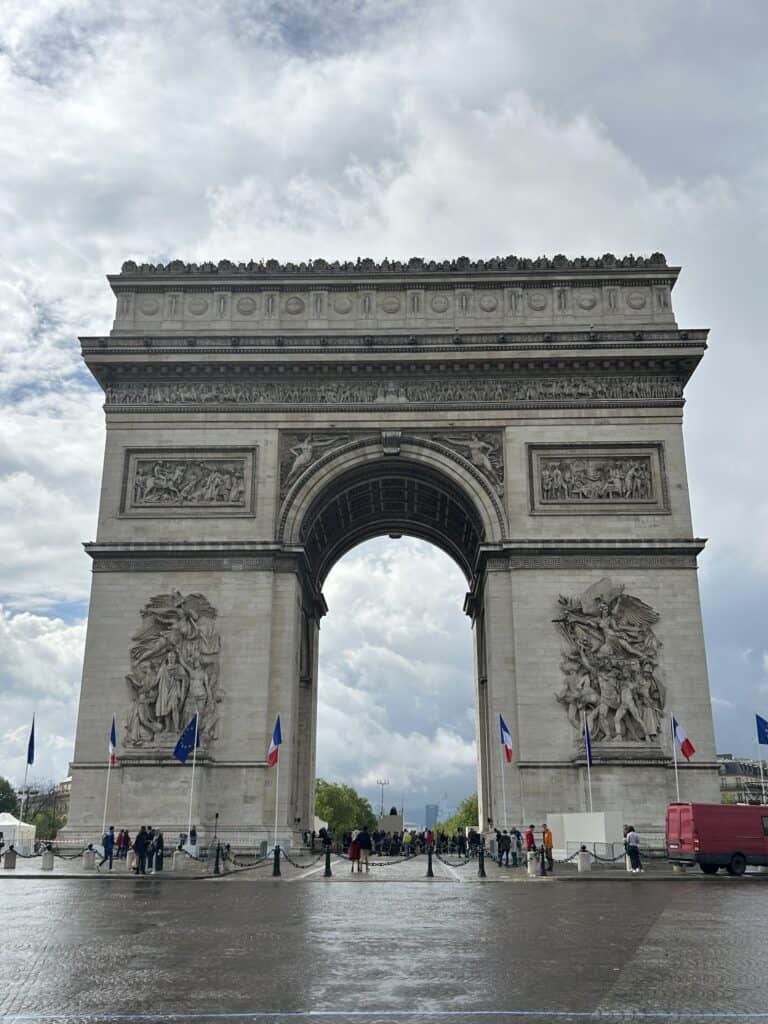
(547, 841)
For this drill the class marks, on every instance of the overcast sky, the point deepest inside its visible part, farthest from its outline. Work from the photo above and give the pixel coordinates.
(239, 130)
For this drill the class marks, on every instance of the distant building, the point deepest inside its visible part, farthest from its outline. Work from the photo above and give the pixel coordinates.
(740, 779)
(430, 815)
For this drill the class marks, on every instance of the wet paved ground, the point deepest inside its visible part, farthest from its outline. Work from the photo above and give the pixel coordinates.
(621, 948)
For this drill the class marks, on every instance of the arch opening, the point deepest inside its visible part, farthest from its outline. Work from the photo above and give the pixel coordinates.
(391, 496)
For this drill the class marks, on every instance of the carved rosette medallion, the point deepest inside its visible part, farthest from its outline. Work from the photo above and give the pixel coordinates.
(610, 667)
(196, 482)
(174, 672)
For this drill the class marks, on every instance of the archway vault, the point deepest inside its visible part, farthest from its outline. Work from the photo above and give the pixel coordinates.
(392, 484)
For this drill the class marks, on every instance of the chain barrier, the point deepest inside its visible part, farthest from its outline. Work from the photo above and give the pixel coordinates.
(452, 864)
(295, 863)
(73, 856)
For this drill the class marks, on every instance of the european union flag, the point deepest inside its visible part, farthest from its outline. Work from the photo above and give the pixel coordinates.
(587, 742)
(31, 744)
(762, 729)
(189, 739)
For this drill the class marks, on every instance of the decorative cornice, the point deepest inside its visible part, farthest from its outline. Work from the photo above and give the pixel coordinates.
(669, 339)
(415, 265)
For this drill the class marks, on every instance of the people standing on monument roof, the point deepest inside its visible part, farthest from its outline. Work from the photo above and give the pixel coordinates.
(364, 845)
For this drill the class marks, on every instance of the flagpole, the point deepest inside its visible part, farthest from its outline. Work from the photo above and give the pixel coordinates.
(762, 777)
(503, 784)
(24, 793)
(589, 758)
(192, 786)
(674, 754)
(277, 794)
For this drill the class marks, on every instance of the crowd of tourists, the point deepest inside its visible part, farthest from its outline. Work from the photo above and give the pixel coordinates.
(148, 846)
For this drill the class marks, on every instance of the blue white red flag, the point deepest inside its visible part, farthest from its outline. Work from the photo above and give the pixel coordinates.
(687, 749)
(274, 747)
(31, 744)
(762, 729)
(112, 744)
(506, 739)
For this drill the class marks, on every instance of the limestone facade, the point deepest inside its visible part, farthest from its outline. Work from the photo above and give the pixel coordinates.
(525, 416)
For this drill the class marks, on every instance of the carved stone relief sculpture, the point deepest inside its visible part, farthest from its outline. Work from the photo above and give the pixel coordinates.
(174, 671)
(483, 450)
(173, 482)
(503, 391)
(610, 665)
(572, 479)
(299, 451)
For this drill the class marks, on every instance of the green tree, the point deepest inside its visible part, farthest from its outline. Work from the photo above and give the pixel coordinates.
(9, 802)
(466, 815)
(342, 807)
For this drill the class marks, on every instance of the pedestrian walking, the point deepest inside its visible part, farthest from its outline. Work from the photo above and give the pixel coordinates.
(547, 842)
(506, 847)
(108, 843)
(633, 849)
(517, 846)
(364, 845)
(354, 855)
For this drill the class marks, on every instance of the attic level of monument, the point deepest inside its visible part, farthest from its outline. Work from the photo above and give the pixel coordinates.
(371, 299)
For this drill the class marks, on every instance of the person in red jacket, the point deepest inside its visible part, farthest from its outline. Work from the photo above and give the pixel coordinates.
(530, 841)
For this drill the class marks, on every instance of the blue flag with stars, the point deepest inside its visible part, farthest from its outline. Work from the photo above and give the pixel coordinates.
(762, 729)
(188, 740)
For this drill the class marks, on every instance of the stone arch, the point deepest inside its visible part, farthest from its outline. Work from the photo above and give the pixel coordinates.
(395, 483)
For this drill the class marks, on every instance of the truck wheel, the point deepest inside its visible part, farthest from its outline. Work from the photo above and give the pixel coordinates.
(738, 864)
(709, 869)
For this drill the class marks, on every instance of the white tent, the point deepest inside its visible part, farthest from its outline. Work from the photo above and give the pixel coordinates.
(17, 833)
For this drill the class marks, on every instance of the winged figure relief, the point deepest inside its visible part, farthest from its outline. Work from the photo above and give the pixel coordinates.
(610, 663)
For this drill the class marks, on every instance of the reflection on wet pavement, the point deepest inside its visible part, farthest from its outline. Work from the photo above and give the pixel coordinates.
(77, 950)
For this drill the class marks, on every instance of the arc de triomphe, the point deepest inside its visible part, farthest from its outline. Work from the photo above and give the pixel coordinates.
(262, 419)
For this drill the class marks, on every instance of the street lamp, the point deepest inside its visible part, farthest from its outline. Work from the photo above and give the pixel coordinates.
(382, 783)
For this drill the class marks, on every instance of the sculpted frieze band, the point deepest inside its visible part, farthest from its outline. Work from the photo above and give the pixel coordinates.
(504, 391)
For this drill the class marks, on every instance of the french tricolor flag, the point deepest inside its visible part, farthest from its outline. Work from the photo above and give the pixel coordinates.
(274, 747)
(687, 749)
(113, 745)
(506, 739)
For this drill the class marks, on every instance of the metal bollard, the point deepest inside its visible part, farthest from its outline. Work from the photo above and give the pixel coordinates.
(530, 858)
(583, 860)
(481, 861)
(216, 867)
(328, 873)
(430, 872)
(542, 861)
(276, 864)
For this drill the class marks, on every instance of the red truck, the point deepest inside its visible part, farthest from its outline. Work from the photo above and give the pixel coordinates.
(714, 836)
